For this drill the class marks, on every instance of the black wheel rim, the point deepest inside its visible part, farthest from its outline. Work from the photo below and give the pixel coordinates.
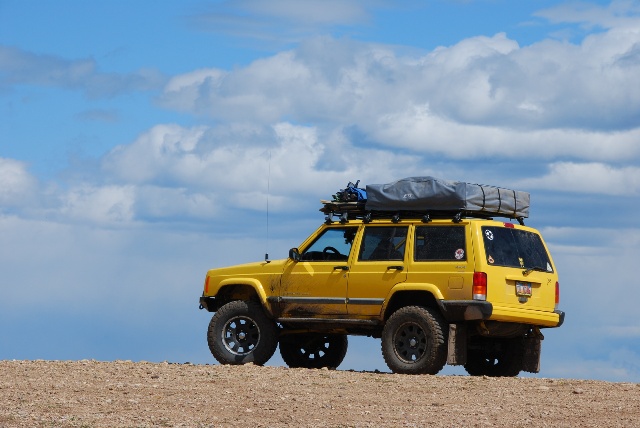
(240, 335)
(410, 342)
(491, 362)
(314, 349)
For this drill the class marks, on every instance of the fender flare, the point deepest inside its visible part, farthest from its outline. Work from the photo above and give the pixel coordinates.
(254, 284)
(407, 286)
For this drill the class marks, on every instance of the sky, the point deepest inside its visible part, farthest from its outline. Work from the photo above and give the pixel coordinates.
(143, 143)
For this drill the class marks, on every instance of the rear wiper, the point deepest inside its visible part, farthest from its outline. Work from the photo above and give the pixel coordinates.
(527, 271)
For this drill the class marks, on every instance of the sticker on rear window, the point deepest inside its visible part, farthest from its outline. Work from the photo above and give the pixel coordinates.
(489, 235)
(490, 260)
(459, 254)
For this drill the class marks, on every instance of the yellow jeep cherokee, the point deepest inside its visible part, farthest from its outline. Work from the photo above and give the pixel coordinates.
(440, 288)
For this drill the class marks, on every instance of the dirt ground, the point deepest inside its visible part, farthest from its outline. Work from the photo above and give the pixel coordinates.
(127, 394)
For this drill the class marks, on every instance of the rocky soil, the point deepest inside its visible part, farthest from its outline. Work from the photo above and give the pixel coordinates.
(127, 394)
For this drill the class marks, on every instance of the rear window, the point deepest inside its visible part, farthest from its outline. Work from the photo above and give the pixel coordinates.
(515, 248)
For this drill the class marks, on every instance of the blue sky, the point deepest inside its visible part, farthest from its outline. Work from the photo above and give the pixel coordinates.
(137, 138)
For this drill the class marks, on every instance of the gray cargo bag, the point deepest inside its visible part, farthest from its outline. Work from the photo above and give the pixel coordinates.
(429, 194)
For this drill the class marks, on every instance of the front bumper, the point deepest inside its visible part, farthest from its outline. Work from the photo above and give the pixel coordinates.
(208, 303)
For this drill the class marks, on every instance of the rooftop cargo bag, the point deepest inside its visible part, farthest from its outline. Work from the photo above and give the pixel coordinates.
(429, 194)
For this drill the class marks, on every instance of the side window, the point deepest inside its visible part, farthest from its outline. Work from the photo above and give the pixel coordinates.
(440, 243)
(334, 244)
(383, 243)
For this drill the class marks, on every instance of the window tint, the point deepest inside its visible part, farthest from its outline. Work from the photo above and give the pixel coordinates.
(440, 243)
(383, 243)
(334, 244)
(515, 248)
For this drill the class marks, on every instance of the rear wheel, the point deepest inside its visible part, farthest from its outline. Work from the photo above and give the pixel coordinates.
(414, 341)
(240, 333)
(495, 357)
(313, 351)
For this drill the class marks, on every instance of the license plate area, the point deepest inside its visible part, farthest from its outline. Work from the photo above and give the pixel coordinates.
(523, 289)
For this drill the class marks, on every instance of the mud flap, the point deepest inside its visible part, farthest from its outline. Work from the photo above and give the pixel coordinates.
(532, 350)
(457, 345)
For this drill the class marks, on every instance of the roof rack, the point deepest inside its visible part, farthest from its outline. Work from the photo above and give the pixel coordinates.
(345, 211)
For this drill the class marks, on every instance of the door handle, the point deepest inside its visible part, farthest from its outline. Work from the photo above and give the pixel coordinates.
(395, 267)
(341, 268)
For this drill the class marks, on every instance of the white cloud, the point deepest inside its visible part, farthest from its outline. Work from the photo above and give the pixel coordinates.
(422, 130)
(102, 205)
(172, 172)
(185, 91)
(17, 186)
(484, 96)
(163, 150)
(591, 178)
(154, 202)
(290, 160)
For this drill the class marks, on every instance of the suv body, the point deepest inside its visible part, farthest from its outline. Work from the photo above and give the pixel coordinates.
(462, 291)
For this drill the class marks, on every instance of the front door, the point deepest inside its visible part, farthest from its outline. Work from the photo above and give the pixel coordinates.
(317, 284)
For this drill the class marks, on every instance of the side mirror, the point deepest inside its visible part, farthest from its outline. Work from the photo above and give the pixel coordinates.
(294, 254)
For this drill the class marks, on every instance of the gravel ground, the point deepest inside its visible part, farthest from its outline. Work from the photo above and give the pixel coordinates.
(127, 394)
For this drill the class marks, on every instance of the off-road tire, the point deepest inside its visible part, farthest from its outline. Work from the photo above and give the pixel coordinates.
(241, 333)
(503, 358)
(414, 341)
(313, 350)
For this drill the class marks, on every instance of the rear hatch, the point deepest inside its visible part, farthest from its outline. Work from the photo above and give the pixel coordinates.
(520, 271)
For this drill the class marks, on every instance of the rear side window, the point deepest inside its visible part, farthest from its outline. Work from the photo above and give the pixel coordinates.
(440, 243)
(383, 243)
(515, 248)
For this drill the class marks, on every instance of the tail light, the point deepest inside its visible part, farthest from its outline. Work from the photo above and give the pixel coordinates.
(557, 294)
(479, 286)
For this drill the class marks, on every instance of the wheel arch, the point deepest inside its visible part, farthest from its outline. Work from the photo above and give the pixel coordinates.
(411, 295)
(247, 290)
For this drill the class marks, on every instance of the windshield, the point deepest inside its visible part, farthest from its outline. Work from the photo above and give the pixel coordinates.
(515, 248)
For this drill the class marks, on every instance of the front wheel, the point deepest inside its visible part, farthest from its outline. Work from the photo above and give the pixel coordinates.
(313, 351)
(414, 341)
(241, 333)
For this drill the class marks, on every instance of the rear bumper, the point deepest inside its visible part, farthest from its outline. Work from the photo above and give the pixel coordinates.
(465, 310)
(561, 315)
(528, 316)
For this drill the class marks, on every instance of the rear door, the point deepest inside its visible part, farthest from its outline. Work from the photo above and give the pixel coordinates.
(379, 265)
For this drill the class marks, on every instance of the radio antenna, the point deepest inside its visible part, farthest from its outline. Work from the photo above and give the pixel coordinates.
(266, 254)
